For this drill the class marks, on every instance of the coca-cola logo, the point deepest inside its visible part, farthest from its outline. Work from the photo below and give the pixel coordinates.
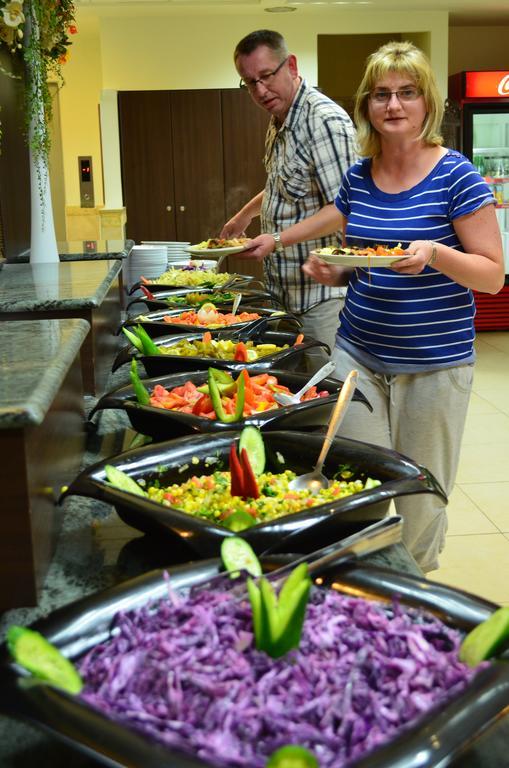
(503, 86)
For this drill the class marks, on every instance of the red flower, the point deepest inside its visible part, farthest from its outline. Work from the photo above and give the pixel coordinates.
(73, 29)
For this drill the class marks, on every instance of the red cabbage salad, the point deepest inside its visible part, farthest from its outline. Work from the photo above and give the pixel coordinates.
(186, 673)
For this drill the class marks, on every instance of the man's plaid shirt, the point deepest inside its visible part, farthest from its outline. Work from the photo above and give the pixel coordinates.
(305, 160)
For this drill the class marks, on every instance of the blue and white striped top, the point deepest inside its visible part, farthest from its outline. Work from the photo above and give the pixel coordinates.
(395, 323)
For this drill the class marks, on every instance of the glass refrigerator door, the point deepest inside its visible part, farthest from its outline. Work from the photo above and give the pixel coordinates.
(490, 155)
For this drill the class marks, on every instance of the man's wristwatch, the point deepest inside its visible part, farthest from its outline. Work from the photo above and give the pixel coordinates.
(279, 245)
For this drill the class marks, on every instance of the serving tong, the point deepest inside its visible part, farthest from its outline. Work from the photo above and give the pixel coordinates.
(371, 539)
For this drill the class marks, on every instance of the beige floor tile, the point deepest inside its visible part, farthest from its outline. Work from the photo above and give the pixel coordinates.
(489, 465)
(497, 393)
(485, 428)
(479, 404)
(492, 499)
(476, 564)
(465, 517)
(496, 339)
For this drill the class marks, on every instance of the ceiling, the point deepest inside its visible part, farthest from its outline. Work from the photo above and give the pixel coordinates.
(462, 12)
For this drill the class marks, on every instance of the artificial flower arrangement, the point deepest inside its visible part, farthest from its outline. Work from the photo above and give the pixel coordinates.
(38, 31)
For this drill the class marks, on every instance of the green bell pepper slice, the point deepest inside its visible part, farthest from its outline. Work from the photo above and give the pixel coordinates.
(133, 339)
(215, 396)
(149, 346)
(140, 390)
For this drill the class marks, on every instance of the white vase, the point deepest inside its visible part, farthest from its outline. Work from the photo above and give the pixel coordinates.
(43, 242)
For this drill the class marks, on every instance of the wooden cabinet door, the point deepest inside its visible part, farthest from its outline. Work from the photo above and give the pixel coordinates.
(244, 129)
(198, 163)
(147, 164)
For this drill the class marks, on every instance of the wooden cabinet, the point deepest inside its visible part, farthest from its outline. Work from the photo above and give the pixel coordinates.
(190, 160)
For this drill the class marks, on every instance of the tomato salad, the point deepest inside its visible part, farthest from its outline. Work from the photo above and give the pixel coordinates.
(258, 395)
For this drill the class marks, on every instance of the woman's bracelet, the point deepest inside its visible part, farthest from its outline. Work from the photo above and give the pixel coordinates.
(434, 253)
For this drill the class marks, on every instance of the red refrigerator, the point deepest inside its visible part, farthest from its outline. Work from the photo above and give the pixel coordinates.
(483, 99)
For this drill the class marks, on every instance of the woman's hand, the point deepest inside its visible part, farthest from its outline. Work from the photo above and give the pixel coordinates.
(236, 226)
(326, 274)
(420, 252)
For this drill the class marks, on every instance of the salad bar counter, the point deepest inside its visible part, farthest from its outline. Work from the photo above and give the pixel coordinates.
(84, 289)
(41, 443)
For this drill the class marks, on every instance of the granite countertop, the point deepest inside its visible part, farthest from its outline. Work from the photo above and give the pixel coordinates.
(35, 356)
(85, 250)
(56, 286)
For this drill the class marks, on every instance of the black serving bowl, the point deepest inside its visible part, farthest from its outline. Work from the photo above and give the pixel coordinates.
(162, 299)
(436, 740)
(235, 281)
(175, 461)
(158, 365)
(156, 326)
(162, 424)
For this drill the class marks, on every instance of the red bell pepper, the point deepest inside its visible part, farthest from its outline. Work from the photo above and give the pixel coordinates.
(236, 473)
(250, 485)
(241, 353)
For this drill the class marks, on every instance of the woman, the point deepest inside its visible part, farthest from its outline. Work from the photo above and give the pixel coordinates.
(409, 329)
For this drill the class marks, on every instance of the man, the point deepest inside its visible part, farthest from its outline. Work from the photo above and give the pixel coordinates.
(308, 147)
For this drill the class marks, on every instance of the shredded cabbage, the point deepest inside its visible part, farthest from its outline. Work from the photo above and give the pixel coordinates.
(185, 672)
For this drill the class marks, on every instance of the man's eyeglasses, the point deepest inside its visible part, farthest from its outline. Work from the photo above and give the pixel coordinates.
(265, 80)
(383, 96)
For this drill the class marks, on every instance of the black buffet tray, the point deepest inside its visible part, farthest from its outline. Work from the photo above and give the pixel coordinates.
(435, 741)
(158, 365)
(163, 424)
(175, 461)
(156, 325)
(160, 298)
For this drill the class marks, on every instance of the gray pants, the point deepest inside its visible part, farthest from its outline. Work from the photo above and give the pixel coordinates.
(421, 416)
(321, 322)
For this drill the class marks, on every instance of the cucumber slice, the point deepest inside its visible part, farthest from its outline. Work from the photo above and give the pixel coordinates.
(292, 757)
(238, 521)
(483, 641)
(251, 439)
(122, 481)
(33, 652)
(237, 555)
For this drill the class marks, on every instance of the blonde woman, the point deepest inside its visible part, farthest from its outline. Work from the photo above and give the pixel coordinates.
(409, 329)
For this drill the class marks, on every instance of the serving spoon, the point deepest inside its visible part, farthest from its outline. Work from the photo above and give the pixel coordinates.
(314, 481)
(236, 302)
(283, 399)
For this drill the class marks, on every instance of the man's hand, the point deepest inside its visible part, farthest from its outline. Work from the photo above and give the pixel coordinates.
(258, 248)
(236, 226)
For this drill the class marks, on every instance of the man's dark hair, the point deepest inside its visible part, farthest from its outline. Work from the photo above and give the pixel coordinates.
(254, 40)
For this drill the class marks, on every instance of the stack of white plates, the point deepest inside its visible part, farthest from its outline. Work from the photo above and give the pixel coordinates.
(147, 260)
(175, 249)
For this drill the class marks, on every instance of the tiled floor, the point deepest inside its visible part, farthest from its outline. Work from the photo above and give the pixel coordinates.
(476, 556)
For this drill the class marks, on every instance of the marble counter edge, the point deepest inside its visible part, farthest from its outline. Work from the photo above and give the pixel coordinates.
(100, 255)
(104, 287)
(65, 305)
(36, 408)
(85, 256)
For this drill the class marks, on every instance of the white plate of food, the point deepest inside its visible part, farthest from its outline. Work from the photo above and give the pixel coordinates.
(379, 256)
(215, 247)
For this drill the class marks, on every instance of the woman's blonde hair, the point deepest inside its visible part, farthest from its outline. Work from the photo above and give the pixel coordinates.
(402, 57)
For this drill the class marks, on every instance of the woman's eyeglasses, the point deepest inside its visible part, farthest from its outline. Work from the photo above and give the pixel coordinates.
(383, 96)
(265, 80)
